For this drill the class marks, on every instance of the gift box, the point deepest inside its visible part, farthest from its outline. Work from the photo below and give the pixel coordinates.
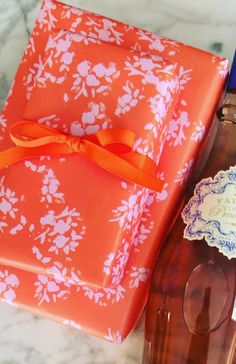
(78, 243)
(74, 213)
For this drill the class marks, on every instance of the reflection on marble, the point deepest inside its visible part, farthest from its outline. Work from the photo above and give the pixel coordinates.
(208, 24)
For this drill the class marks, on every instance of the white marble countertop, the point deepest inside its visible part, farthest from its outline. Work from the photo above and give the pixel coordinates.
(208, 24)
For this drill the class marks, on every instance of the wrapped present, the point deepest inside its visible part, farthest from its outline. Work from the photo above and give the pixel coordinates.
(79, 234)
(74, 213)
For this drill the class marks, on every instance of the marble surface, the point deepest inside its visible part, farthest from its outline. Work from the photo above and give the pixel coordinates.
(208, 24)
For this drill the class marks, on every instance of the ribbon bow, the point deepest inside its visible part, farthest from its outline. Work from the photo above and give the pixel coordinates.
(110, 149)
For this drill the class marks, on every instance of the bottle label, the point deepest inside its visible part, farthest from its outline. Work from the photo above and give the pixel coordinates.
(211, 213)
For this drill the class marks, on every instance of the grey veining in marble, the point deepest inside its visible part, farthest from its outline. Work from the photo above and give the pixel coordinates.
(27, 339)
(208, 24)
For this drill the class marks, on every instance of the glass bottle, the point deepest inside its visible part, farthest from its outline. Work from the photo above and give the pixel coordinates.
(191, 311)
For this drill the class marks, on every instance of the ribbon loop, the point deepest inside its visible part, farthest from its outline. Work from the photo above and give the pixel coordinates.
(110, 149)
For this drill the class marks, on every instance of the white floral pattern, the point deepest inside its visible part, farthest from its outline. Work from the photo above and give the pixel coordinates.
(176, 133)
(3, 122)
(105, 30)
(199, 132)
(222, 67)
(108, 264)
(7, 200)
(146, 223)
(19, 227)
(51, 120)
(46, 18)
(147, 68)
(91, 121)
(8, 284)
(8, 208)
(144, 145)
(30, 49)
(39, 256)
(158, 43)
(117, 269)
(49, 290)
(72, 323)
(68, 12)
(184, 76)
(61, 230)
(183, 174)
(34, 167)
(50, 187)
(128, 213)
(138, 275)
(129, 100)
(114, 337)
(37, 75)
(105, 296)
(91, 80)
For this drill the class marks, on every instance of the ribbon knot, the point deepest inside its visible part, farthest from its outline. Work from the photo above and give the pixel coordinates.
(110, 149)
(73, 143)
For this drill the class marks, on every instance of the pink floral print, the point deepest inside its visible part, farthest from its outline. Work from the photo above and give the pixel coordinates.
(8, 285)
(49, 290)
(92, 120)
(129, 99)
(61, 231)
(92, 80)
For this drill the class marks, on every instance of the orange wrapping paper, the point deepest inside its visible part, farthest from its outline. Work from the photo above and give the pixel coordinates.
(59, 283)
(83, 85)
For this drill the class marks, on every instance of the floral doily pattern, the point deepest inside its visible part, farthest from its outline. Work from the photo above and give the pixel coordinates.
(210, 214)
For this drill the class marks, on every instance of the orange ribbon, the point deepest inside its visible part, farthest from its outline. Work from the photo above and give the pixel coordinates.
(110, 149)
